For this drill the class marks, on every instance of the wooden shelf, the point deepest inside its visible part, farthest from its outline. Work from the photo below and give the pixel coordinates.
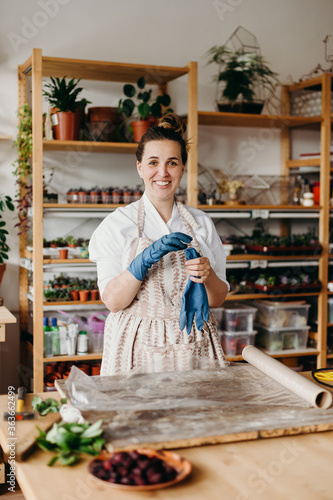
(91, 146)
(86, 206)
(246, 120)
(283, 354)
(72, 303)
(67, 261)
(84, 357)
(5, 137)
(255, 296)
(106, 71)
(330, 356)
(221, 208)
(308, 162)
(287, 258)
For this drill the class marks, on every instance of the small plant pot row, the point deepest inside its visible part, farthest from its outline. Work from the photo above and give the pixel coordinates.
(58, 371)
(64, 294)
(284, 250)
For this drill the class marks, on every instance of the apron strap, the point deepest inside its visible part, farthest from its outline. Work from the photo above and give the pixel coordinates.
(190, 224)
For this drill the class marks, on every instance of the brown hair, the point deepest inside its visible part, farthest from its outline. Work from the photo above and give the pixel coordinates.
(170, 127)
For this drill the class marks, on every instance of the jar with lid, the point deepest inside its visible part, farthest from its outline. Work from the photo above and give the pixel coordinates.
(82, 343)
(308, 199)
(116, 195)
(137, 193)
(127, 195)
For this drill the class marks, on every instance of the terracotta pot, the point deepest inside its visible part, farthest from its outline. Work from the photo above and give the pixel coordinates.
(63, 253)
(67, 127)
(85, 368)
(94, 196)
(104, 114)
(2, 270)
(95, 369)
(75, 294)
(140, 127)
(94, 295)
(83, 196)
(102, 123)
(84, 295)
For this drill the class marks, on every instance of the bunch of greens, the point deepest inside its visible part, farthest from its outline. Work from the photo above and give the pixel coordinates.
(69, 440)
(49, 405)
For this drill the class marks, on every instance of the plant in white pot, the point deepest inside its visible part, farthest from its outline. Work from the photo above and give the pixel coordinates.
(67, 110)
(138, 101)
(5, 203)
(241, 74)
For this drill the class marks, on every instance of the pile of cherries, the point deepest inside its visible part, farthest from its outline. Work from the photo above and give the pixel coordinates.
(133, 468)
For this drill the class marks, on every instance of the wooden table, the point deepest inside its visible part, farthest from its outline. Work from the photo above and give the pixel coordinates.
(5, 317)
(297, 466)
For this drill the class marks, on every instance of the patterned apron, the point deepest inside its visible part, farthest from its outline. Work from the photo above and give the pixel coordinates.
(147, 332)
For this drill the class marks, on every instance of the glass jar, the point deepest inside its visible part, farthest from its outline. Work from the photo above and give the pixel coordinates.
(116, 196)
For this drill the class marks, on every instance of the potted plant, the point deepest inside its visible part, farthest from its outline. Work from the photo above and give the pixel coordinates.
(147, 111)
(5, 202)
(240, 74)
(71, 241)
(230, 186)
(67, 109)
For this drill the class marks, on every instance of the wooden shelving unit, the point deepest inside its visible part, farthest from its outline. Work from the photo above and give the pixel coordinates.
(39, 66)
(286, 123)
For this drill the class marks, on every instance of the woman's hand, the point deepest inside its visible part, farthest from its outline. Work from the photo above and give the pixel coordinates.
(199, 269)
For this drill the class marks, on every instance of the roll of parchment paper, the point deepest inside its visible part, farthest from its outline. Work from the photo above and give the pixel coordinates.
(294, 382)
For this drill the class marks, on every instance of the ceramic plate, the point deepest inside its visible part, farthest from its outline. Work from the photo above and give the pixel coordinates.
(182, 466)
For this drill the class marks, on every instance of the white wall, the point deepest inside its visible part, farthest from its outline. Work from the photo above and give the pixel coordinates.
(162, 32)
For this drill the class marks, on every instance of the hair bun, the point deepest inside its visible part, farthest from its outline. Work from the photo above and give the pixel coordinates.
(172, 121)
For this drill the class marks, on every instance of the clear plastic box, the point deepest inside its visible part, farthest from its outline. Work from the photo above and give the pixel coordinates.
(280, 339)
(330, 310)
(217, 311)
(281, 314)
(233, 343)
(238, 317)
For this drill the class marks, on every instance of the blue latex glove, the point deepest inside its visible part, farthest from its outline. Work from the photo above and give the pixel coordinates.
(169, 243)
(194, 300)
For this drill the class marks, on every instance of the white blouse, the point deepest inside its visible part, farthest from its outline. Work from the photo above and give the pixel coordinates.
(110, 243)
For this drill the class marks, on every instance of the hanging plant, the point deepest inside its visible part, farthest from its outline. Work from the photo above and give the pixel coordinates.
(23, 169)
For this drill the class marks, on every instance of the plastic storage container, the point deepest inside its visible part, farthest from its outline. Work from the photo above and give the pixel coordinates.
(330, 310)
(218, 315)
(238, 317)
(281, 314)
(280, 339)
(233, 343)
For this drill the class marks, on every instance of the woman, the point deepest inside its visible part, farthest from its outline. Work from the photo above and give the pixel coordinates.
(143, 274)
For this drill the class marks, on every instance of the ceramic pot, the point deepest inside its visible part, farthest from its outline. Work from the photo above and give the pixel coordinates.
(84, 295)
(63, 253)
(94, 295)
(102, 122)
(75, 294)
(247, 107)
(140, 127)
(66, 125)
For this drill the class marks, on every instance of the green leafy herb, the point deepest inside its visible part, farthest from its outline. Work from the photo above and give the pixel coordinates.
(68, 440)
(49, 405)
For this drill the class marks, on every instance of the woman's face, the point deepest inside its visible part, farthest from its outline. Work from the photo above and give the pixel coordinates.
(161, 169)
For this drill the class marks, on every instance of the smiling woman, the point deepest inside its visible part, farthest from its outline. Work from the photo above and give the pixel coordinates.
(160, 267)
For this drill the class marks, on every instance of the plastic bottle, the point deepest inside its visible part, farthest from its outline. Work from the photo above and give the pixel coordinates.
(55, 337)
(82, 343)
(47, 338)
